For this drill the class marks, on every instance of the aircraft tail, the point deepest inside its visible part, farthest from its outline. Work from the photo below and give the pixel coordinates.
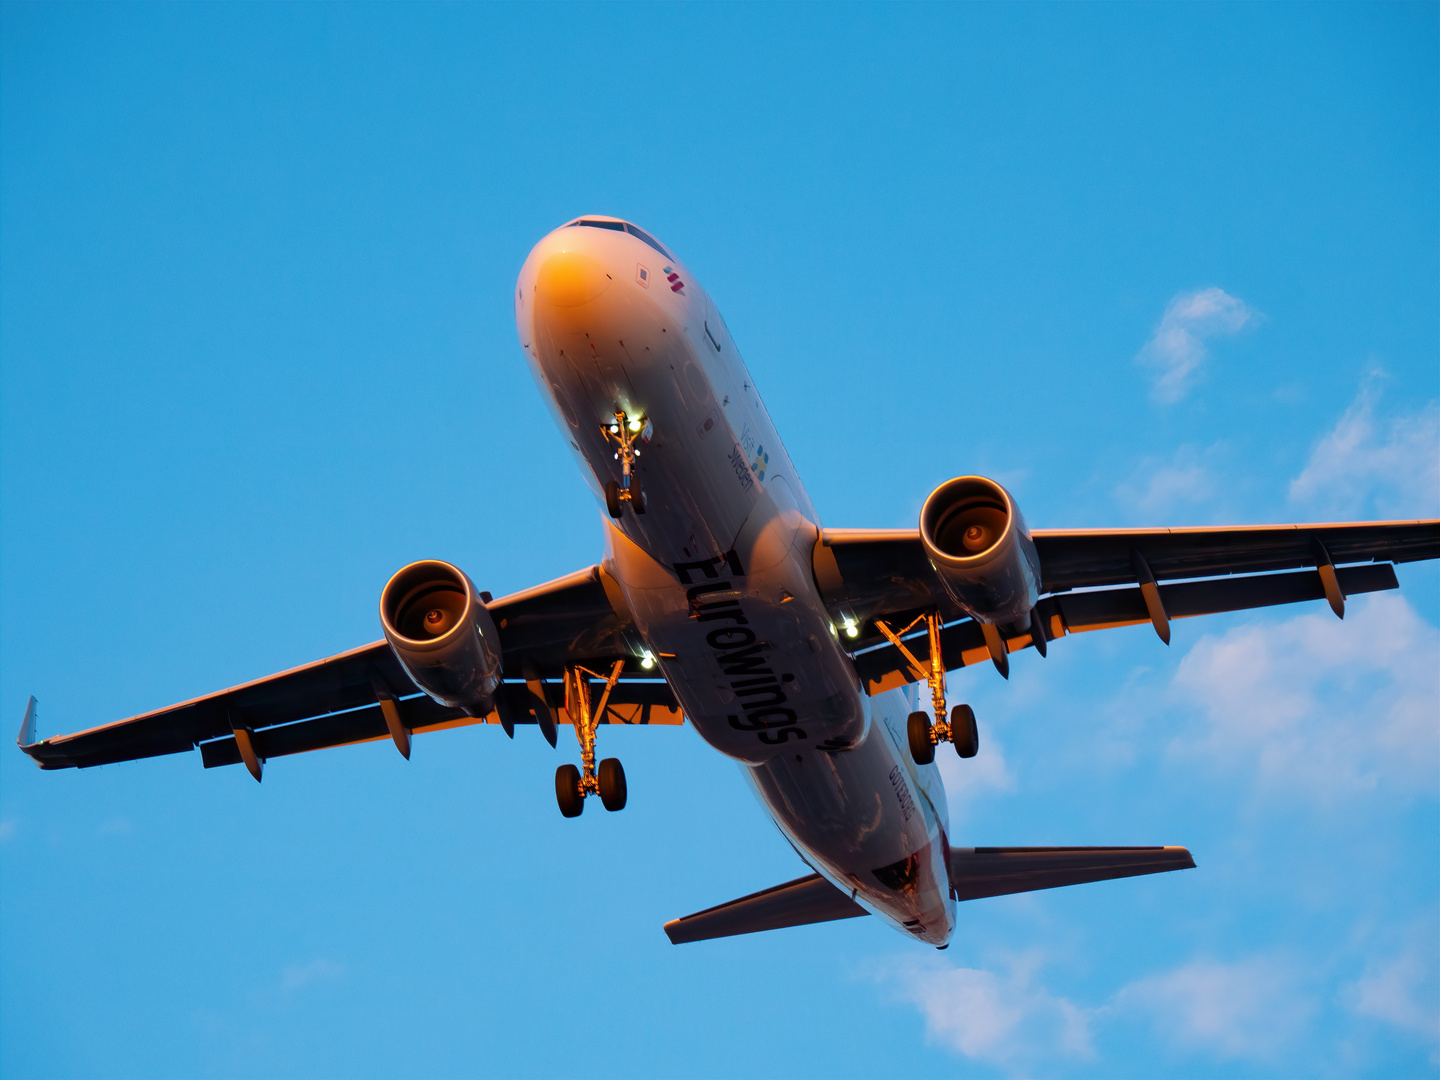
(997, 871)
(805, 900)
(974, 873)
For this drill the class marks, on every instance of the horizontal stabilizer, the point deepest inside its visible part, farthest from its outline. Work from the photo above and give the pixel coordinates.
(997, 871)
(805, 900)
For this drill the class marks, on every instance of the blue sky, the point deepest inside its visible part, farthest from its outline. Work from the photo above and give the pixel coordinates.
(1145, 265)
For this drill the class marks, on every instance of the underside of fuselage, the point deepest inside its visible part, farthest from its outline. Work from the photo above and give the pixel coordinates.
(716, 567)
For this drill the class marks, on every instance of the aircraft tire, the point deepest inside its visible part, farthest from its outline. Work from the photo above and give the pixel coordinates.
(567, 791)
(637, 496)
(612, 784)
(612, 498)
(963, 732)
(921, 748)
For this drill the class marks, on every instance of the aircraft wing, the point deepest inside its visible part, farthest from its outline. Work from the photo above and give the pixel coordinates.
(1089, 580)
(343, 699)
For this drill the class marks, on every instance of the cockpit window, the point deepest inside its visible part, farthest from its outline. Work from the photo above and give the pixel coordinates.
(621, 226)
(641, 234)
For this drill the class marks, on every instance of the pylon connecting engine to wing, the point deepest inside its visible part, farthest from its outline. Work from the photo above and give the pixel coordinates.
(435, 620)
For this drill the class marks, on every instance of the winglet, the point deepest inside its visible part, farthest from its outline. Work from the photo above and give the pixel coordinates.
(26, 738)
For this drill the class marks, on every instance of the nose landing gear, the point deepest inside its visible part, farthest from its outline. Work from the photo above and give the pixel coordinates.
(623, 431)
(923, 735)
(572, 785)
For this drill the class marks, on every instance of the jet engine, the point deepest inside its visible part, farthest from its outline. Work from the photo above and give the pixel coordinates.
(979, 544)
(437, 624)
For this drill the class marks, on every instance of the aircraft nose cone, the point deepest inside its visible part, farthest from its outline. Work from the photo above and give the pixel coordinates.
(568, 279)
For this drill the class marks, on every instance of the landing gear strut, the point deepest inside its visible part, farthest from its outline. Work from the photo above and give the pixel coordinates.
(572, 785)
(623, 431)
(923, 735)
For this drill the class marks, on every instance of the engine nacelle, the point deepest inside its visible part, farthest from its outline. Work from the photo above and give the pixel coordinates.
(437, 624)
(979, 544)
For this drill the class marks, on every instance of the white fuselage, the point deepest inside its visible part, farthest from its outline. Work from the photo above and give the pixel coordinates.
(717, 573)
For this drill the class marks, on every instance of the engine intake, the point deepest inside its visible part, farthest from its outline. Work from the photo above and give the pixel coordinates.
(437, 624)
(979, 544)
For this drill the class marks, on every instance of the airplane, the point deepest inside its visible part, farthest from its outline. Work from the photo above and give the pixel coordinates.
(795, 649)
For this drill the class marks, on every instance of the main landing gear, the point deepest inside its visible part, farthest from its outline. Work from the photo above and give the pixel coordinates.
(623, 431)
(923, 735)
(572, 785)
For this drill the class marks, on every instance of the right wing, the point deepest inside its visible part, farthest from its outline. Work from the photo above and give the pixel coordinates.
(343, 699)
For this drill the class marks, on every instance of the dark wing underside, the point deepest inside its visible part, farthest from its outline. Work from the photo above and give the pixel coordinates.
(1090, 581)
(336, 701)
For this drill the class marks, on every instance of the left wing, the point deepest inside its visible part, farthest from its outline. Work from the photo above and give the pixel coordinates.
(344, 699)
(885, 573)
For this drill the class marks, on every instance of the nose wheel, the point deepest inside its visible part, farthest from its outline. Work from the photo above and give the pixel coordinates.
(625, 431)
(923, 734)
(573, 785)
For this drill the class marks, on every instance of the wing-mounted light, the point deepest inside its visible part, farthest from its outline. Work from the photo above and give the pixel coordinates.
(435, 620)
(977, 540)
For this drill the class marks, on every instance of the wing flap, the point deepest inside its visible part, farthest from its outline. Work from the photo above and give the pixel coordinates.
(1083, 558)
(805, 900)
(1124, 607)
(999, 871)
(630, 703)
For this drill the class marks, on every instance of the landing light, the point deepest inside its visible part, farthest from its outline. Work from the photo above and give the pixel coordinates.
(647, 660)
(635, 425)
(614, 429)
(851, 630)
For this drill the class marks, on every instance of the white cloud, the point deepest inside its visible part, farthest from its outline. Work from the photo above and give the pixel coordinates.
(1009, 1019)
(1177, 349)
(1158, 489)
(968, 779)
(1403, 991)
(1370, 466)
(1319, 706)
(1252, 1008)
(296, 976)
